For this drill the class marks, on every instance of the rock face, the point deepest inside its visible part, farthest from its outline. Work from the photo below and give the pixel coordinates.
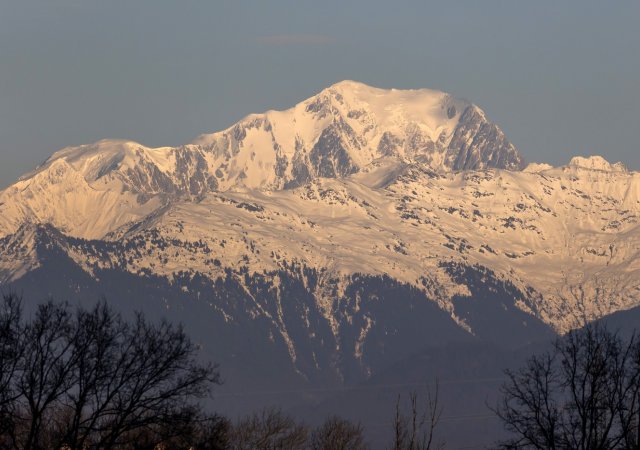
(324, 243)
(478, 144)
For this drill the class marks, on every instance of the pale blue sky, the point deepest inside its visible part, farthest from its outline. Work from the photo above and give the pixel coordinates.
(560, 77)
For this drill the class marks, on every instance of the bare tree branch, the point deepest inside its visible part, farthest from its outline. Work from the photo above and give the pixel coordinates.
(583, 394)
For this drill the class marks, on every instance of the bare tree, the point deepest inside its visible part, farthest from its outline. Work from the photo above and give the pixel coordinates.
(338, 434)
(269, 429)
(416, 431)
(583, 394)
(45, 374)
(93, 379)
(212, 433)
(10, 353)
(205, 433)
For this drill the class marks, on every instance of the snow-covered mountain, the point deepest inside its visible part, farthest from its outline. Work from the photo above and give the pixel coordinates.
(94, 189)
(345, 232)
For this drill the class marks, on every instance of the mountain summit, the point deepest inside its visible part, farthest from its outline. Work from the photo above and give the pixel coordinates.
(334, 134)
(347, 126)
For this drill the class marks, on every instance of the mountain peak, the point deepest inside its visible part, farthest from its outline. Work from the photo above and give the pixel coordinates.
(389, 99)
(335, 134)
(350, 84)
(597, 162)
(346, 127)
(353, 85)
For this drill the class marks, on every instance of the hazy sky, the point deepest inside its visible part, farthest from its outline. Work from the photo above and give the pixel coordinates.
(560, 77)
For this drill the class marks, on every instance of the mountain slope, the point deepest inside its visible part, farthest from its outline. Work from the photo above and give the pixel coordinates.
(567, 236)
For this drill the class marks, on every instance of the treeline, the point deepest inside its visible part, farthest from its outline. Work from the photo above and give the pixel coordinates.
(75, 378)
(81, 379)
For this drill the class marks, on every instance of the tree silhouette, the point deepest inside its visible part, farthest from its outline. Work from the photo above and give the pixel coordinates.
(89, 378)
(338, 434)
(416, 431)
(268, 429)
(583, 394)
